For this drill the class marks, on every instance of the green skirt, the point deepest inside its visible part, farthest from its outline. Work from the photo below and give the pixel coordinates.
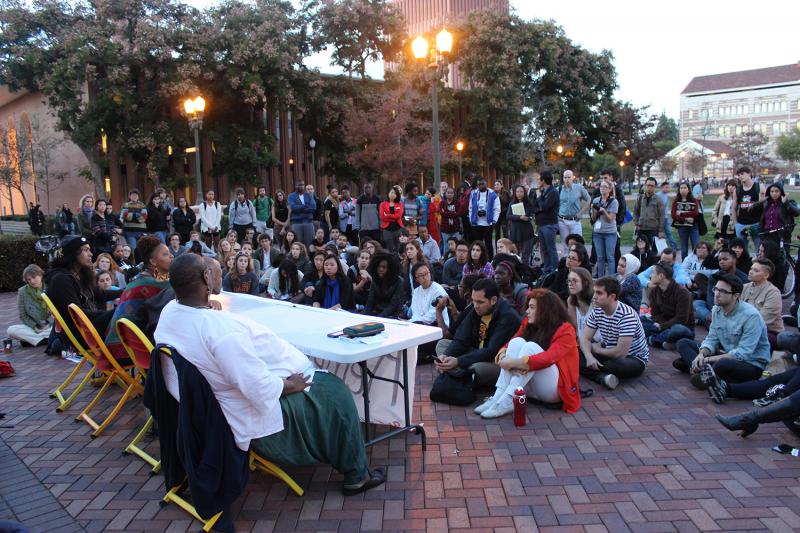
(319, 426)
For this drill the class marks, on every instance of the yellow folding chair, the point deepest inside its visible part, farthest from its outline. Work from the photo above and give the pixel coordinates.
(256, 462)
(88, 358)
(109, 365)
(138, 347)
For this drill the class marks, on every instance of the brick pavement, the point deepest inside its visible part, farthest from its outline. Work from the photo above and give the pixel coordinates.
(646, 457)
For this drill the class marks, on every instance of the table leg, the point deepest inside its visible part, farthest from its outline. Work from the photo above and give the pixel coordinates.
(365, 394)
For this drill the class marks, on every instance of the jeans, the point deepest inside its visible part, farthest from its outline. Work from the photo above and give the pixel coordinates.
(731, 370)
(547, 247)
(752, 390)
(374, 234)
(701, 310)
(567, 228)
(752, 230)
(687, 234)
(132, 237)
(604, 244)
(789, 341)
(622, 367)
(673, 334)
(485, 234)
(668, 234)
(304, 232)
(390, 239)
(162, 235)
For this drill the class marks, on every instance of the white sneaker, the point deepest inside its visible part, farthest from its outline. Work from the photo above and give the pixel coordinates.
(499, 409)
(485, 405)
(610, 381)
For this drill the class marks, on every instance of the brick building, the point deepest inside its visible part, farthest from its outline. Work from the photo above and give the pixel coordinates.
(718, 106)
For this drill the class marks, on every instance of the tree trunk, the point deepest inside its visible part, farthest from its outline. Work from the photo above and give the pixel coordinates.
(94, 169)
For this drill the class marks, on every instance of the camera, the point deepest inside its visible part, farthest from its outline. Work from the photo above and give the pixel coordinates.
(481, 212)
(436, 301)
(596, 207)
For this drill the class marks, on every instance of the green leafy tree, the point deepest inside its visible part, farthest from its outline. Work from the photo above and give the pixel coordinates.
(788, 147)
(529, 88)
(750, 148)
(102, 67)
(356, 32)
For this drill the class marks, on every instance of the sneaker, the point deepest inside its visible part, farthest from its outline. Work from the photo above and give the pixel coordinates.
(71, 356)
(697, 382)
(499, 409)
(773, 394)
(680, 365)
(717, 388)
(669, 346)
(490, 401)
(610, 381)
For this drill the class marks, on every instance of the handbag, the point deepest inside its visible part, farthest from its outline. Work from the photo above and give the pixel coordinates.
(453, 387)
(701, 225)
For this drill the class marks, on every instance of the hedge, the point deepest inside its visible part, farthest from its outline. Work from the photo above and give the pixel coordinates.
(17, 252)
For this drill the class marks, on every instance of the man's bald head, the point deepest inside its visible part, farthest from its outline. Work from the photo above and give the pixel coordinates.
(186, 275)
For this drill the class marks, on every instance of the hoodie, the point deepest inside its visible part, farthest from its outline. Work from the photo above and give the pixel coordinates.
(630, 286)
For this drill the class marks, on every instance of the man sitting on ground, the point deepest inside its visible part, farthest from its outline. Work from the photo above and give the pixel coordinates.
(194, 237)
(255, 375)
(736, 345)
(671, 315)
(727, 265)
(454, 267)
(490, 324)
(430, 248)
(622, 351)
(667, 257)
(764, 296)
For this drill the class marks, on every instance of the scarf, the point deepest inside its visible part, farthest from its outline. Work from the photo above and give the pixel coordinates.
(35, 295)
(632, 265)
(331, 293)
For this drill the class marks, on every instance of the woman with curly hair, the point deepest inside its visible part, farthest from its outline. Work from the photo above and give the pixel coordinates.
(478, 261)
(150, 281)
(542, 358)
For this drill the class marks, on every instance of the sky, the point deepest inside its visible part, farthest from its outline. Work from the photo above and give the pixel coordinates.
(660, 46)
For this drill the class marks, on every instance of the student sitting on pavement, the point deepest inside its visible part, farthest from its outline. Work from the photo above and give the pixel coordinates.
(667, 257)
(671, 315)
(765, 297)
(736, 345)
(727, 265)
(622, 351)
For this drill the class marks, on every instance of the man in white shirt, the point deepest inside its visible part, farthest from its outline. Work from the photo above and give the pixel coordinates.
(484, 212)
(210, 220)
(272, 397)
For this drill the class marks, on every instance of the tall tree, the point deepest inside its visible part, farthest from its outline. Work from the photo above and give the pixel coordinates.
(750, 148)
(356, 32)
(788, 147)
(103, 67)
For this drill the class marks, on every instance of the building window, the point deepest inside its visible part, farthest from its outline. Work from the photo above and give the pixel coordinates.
(721, 131)
(690, 132)
(738, 130)
(784, 106)
(757, 108)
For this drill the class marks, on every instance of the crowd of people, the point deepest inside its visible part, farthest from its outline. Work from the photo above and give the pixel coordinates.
(463, 260)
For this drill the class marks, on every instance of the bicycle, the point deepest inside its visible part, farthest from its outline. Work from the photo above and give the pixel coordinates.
(786, 246)
(47, 245)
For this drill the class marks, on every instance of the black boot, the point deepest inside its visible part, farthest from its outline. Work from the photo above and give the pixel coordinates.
(748, 422)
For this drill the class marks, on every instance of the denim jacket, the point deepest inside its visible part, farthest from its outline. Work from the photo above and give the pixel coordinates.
(742, 334)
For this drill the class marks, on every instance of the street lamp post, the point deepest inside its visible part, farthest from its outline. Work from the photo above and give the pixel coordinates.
(194, 111)
(460, 148)
(622, 173)
(313, 144)
(724, 156)
(437, 69)
(713, 167)
(682, 157)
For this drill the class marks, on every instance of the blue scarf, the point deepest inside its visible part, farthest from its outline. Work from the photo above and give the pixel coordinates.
(331, 293)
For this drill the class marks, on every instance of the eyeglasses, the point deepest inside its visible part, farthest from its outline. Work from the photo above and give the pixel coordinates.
(572, 281)
(420, 275)
(722, 291)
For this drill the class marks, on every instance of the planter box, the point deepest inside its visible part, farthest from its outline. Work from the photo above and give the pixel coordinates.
(14, 227)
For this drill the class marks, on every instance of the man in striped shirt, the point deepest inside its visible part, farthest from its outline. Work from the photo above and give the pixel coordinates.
(622, 351)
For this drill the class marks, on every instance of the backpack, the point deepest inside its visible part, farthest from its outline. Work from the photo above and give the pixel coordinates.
(6, 370)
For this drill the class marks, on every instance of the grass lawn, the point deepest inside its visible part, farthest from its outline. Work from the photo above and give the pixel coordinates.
(709, 199)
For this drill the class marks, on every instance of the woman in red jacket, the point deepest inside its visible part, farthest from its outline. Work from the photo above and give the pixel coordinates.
(542, 358)
(391, 213)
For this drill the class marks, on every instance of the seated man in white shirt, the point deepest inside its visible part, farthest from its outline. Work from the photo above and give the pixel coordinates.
(273, 398)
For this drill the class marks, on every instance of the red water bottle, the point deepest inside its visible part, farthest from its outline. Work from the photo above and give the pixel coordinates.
(519, 406)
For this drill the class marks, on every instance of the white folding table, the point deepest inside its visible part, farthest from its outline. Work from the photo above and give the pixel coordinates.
(307, 329)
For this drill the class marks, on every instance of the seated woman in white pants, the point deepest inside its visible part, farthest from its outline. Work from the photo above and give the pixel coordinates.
(542, 358)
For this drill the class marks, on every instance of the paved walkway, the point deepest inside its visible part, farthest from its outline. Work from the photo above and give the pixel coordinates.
(646, 457)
